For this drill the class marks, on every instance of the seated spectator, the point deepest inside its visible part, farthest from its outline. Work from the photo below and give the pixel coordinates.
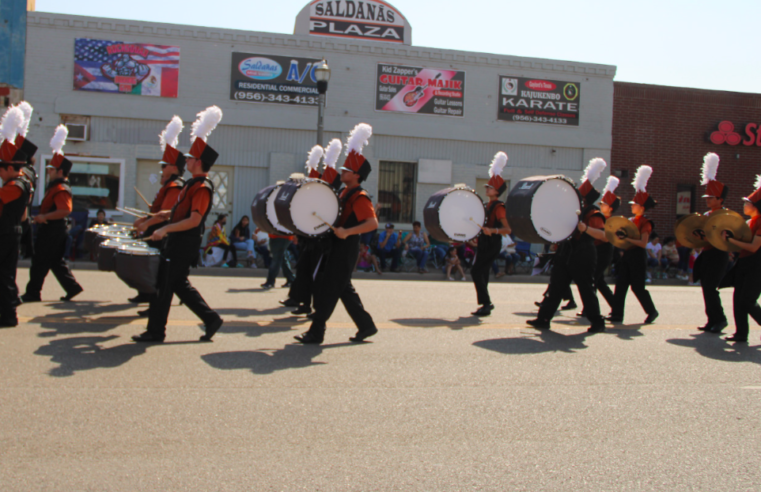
(261, 246)
(242, 239)
(508, 254)
(670, 253)
(367, 260)
(389, 244)
(654, 253)
(453, 262)
(100, 218)
(74, 239)
(417, 244)
(684, 261)
(439, 250)
(218, 239)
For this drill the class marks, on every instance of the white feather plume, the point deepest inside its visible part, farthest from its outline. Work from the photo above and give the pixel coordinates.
(314, 157)
(359, 137)
(332, 153)
(171, 134)
(594, 170)
(12, 119)
(207, 121)
(497, 164)
(641, 178)
(710, 167)
(59, 139)
(611, 185)
(27, 109)
(757, 185)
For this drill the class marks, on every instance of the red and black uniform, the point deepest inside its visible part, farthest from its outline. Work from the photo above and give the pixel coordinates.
(13, 200)
(27, 238)
(632, 272)
(51, 244)
(488, 251)
(333, 281)
(604, 257)
(710, 267)
(745, 277)
(576, 261)
(165, 199)
(179, 254)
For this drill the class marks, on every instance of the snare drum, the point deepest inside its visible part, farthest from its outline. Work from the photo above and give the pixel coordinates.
(92, 233)
(300, 202)
(454, 214)
(109, 234)
(138, 266)
(544, 209)
(107, 251)
(263, 211)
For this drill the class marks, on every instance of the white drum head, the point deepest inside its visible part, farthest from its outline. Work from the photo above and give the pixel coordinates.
(116, 242)
(314, 197)
(138, 249)
(455, 214)
(272, 215)
(553, 210)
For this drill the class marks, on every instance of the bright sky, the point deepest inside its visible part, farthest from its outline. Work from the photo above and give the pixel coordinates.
(687, 43)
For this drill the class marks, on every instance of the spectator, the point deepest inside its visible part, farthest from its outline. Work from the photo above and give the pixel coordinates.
(439, 250)
(417, 244)
(654, 255)
(453, 261)
(684, 261)
(218, 239)
(75, 230)
(508, 254)
(670, 253)
(389, 244)
(367, 260)
(100, 218)
(691, 265)
(261, 246)
(242, 239)
(278, 246)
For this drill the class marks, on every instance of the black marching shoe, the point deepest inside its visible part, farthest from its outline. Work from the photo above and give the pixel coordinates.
(651, 318)
(736, 339)
(614, 319)
(303, 309)
(484, 310)
(70, 295)
(289, 302)
(144, 313)
(362, 334)
(211, 329)
(581, 314)
(539, 324)
(308, 338)
(596, 328)
(311, 315)
(537, 304)
(719, 327)
(30, 298)
(146, 337)
(707, 327)
(140, 298)
(569, 305)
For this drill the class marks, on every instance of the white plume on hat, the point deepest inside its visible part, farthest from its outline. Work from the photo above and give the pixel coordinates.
(27, 109)
(710, 167)
(358, 138)
(314, 157)
(594, 170)
(207, 121)
(59, 139)
(641, 178)
(12, 119)
(332, 153)
(611, 184)
(171, 134)
(497, 164)
(757, 184)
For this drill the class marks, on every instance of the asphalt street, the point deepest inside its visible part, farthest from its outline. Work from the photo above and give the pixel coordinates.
(439, 401)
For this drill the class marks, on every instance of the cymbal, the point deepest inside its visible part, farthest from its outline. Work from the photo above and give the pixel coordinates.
(690, 230)
(623, 226)
(729, 221)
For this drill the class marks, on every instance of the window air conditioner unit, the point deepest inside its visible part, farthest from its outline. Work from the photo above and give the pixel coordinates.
(78, 132)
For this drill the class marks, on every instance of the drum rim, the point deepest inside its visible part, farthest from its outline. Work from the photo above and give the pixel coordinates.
(449, 191)
(301, 182)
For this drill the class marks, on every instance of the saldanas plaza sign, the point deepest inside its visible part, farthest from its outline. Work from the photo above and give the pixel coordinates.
(372, 20)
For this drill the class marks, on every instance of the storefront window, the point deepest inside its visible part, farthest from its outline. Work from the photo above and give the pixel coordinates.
(95, 183)
(396, 192)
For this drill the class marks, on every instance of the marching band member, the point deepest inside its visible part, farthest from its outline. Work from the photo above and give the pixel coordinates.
(172, 168)
(14, 196)
(184, 234)
(490, 239)
(712, 263)
(52, 220)
(632, 269)
(576, 258)
(745, 275)
(28, 173)
(333, 281)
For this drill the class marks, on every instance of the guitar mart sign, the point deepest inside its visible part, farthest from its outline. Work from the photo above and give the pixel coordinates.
(370, 20)
(551, 102)
(404, 89)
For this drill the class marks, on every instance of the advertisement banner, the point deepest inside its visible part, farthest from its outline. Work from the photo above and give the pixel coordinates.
(405, 89)
(126, 68)
(551, 102)
(683, 202)
(274, 79)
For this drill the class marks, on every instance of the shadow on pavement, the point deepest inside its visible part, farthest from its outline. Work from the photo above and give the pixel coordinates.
(257, 330)
(74, 318)
(542, 341)
(713, 347)
(293, 356)
(458, 324)
(245, 312)
(84, 353)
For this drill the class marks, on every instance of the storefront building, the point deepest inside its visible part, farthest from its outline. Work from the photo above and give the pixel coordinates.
(116, 83)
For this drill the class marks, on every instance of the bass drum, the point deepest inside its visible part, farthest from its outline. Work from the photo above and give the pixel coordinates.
(454, 214)
(138, 267)
(544, 209)
(307, 206)
(263, 211)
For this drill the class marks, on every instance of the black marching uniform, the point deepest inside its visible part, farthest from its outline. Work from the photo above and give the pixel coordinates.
(631, 272)
(10, 236)
(487, 252)
(709, 269)
(745, 277)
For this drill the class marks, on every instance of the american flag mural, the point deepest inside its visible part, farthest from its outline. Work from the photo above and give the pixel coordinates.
(128, 68)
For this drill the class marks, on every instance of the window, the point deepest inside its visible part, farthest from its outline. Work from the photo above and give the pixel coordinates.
(396, 192)
(95, 182)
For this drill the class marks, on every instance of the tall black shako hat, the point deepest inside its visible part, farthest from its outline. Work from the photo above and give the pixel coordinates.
(9, 153)
(169, 139)
(26, 149)
(329, 173)
(56, 143)
(355, 161)
(207, 121)
(592, 173)
(495, 173)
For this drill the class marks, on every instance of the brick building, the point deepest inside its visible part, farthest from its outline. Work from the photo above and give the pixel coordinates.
(671, 128)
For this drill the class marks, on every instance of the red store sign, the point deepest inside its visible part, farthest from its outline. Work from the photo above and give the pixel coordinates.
(726, 134)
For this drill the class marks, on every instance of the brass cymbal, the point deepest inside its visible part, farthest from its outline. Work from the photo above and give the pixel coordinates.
(690, 230)
(619, 225)
(729, 221)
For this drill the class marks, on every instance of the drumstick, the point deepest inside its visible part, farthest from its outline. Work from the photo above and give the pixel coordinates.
(134, 214)
(141, 196)
(138, 211)
(324, 221)
(479, 225)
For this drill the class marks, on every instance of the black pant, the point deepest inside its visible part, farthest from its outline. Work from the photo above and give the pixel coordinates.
(487, 251)
(173, 279)
(333, 282)
(48, 256)
(747, 282)
(310, 251)
(575, 262)
(632, 271)
(710, 268)
(9, 251)
(604, 255)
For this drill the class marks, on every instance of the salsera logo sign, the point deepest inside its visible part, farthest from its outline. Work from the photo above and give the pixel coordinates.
(259, 68)
(273, 79)
(372, 20)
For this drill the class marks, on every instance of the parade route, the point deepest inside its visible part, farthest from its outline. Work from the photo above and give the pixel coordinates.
(440, 400)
